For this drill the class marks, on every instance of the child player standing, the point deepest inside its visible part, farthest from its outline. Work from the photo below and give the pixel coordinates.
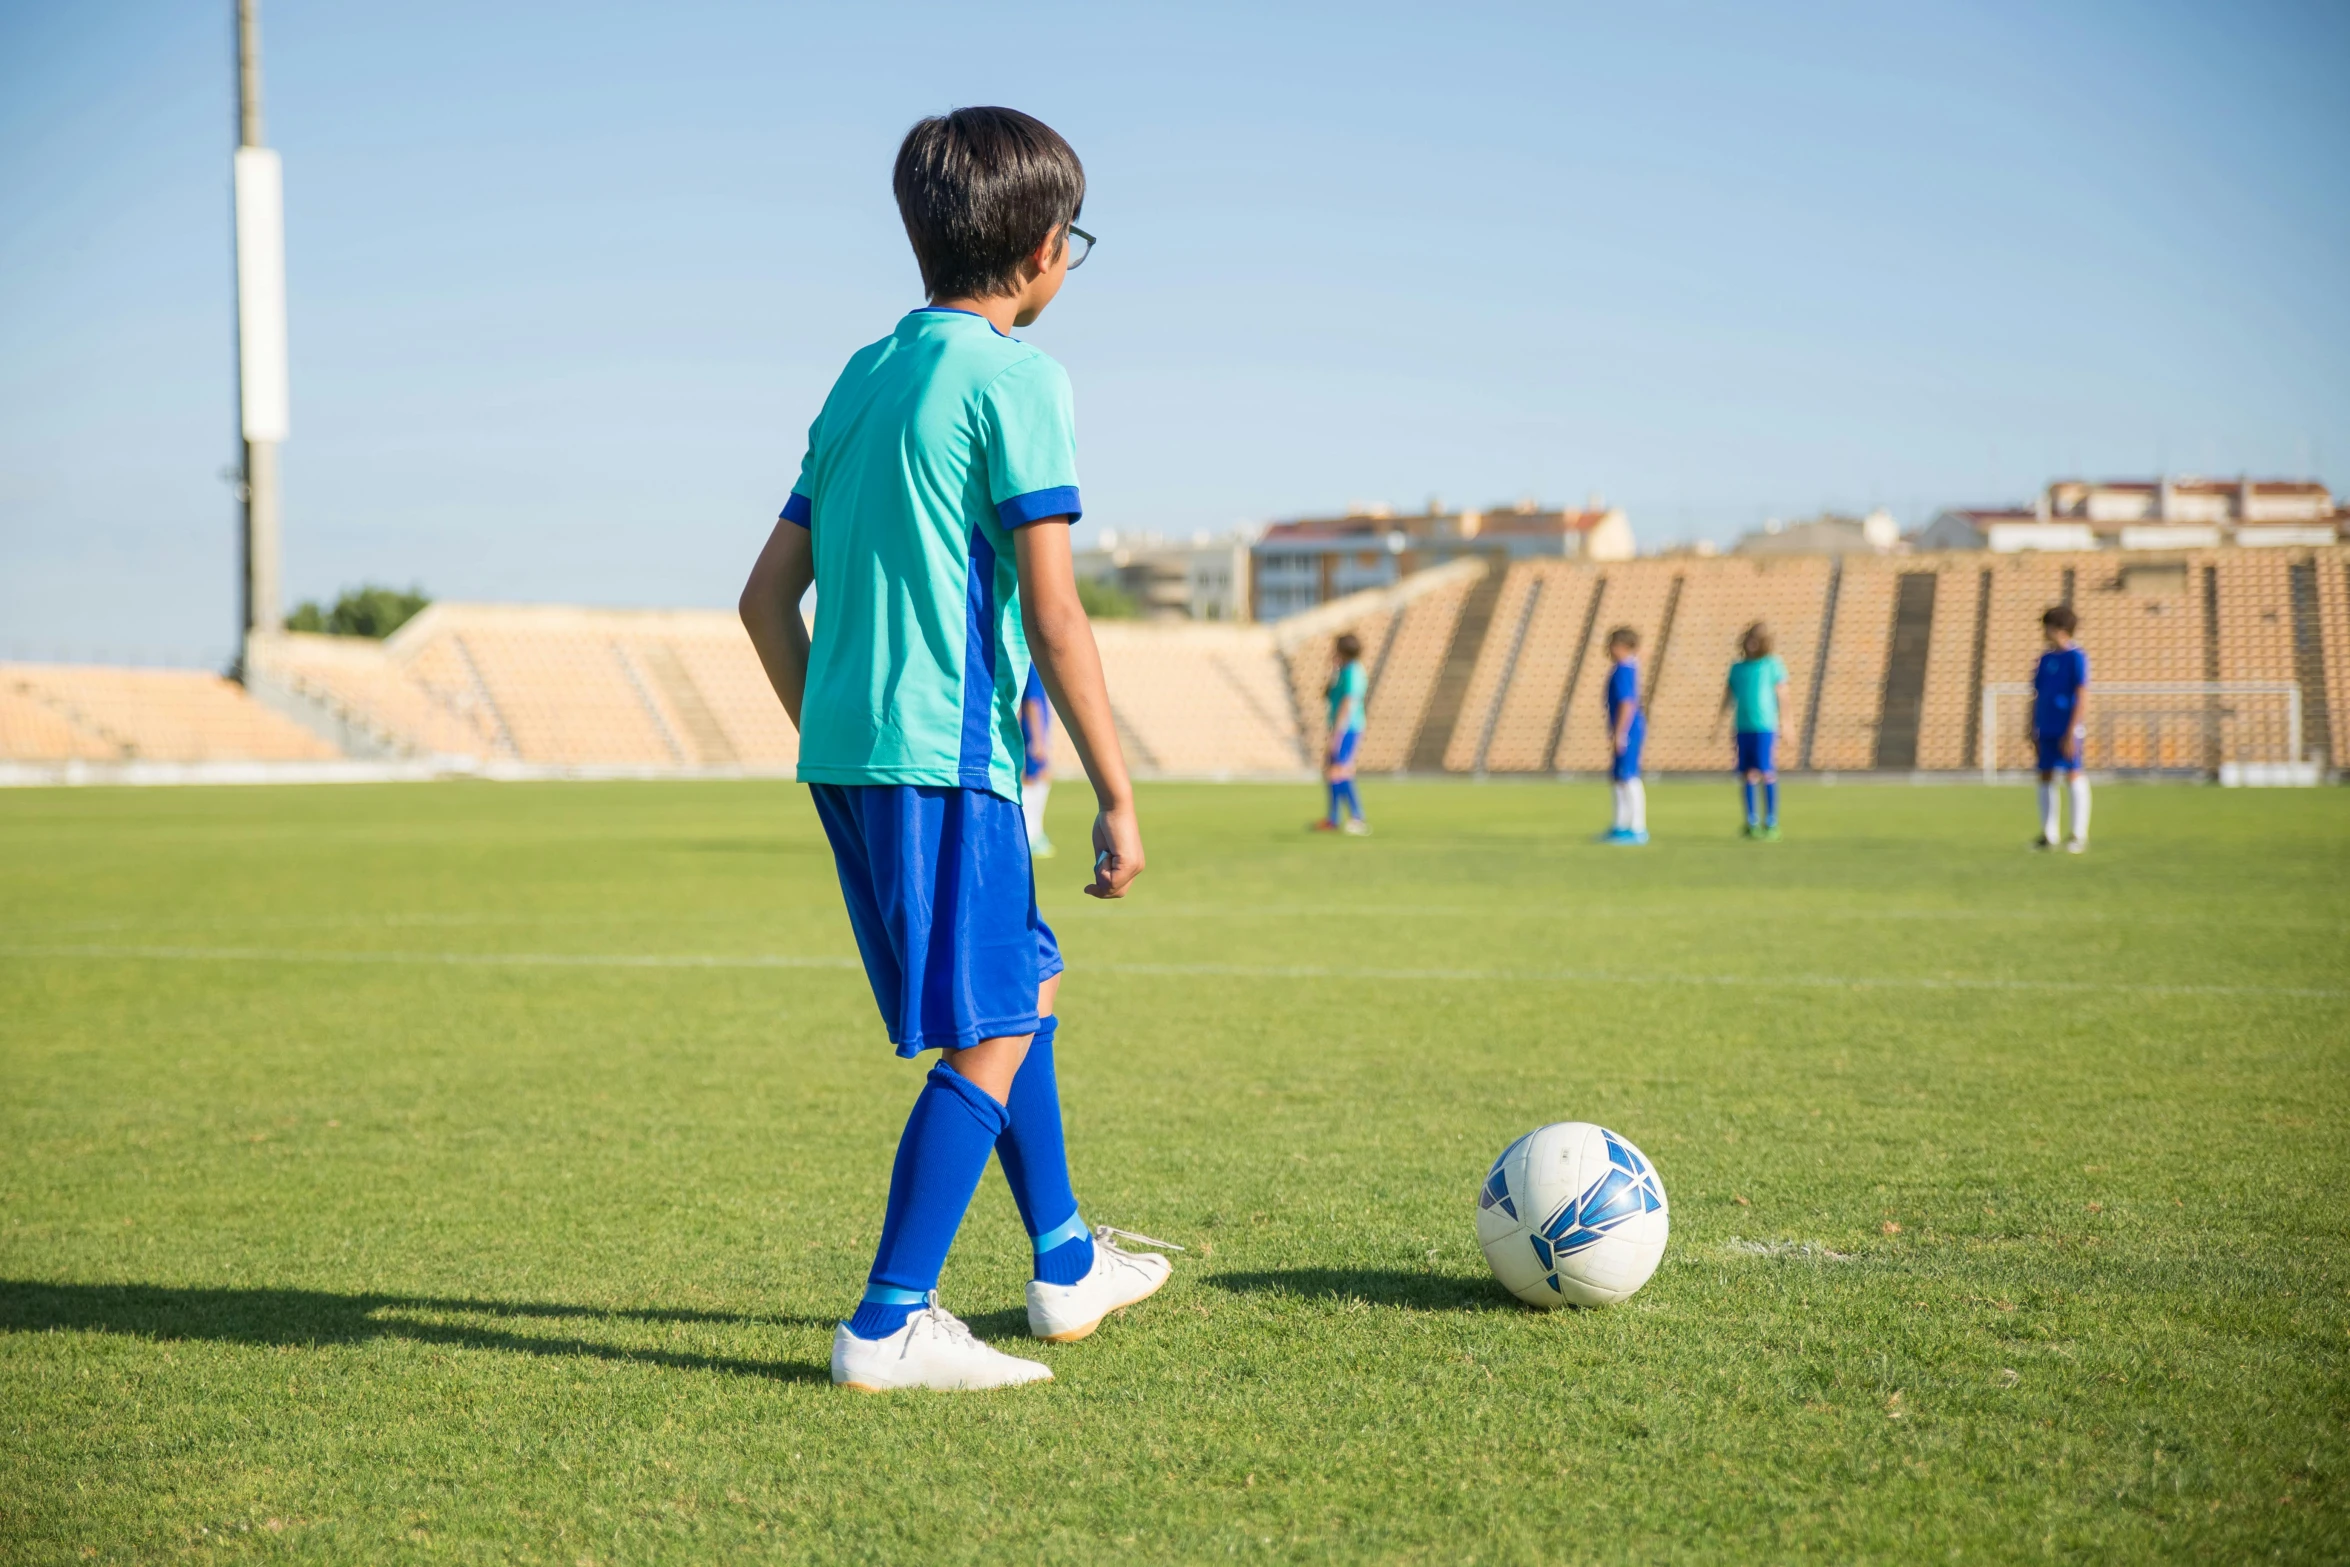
(1036, 771)
(1345, 694)
(1627, 730)
(2059, 723)
(932, 514)
(1757, 686)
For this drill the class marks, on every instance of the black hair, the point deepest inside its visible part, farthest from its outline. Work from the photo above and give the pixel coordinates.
(1624, 636)
(1350, 646)
(2060, 617)
(979, 190)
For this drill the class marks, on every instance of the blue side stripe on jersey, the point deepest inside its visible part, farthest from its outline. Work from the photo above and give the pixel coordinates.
(979, 667)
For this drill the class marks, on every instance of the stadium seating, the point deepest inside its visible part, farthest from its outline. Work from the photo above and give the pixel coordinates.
(70, 712)
(1476, 667)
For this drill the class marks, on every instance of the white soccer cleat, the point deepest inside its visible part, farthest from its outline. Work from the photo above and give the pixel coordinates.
(932, 1350)
(1356, 827)
(2077, 846)
(1064, 1313)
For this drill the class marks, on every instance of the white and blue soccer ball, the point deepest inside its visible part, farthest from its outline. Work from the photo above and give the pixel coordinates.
(1572, 1215)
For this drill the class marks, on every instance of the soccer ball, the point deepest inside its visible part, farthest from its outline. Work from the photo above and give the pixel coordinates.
(1571, 1214)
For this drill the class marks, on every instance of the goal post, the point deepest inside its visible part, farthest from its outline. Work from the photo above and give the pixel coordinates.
(2201, 727)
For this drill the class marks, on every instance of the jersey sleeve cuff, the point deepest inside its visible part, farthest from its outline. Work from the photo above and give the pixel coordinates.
(1036, 505)
(797, 510)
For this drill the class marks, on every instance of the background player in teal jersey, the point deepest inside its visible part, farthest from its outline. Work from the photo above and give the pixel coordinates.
(1756, 688)
(1627, 731)
(1346, 694)
(1036, 773)
(932, 514)
(2059, 723)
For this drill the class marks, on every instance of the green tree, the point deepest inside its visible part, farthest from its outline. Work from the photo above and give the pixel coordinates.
(1106, 600)
(365, 611)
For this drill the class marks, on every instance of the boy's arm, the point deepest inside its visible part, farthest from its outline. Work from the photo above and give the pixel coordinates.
(771, 612)
(1624, 716)
(1061, 640)
(2077, 741)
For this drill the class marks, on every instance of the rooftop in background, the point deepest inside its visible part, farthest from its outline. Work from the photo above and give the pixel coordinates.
(1827, 534)
(1312, 560)
(2159, 513)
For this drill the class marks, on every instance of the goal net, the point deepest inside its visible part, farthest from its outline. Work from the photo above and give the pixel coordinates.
(2198, 728)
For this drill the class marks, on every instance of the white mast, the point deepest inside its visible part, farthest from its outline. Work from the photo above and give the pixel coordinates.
(261, 331)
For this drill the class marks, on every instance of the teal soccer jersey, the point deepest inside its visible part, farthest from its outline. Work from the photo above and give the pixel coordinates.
(934, 444)
(1349, 682)
(1754, 691)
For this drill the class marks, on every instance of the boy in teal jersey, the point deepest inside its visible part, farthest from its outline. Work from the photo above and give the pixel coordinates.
(932, 515)
(1348, 695)
(1757, 686)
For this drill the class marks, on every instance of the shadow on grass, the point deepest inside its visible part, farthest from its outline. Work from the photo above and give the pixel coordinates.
(273, 1317)
(1372, 1286)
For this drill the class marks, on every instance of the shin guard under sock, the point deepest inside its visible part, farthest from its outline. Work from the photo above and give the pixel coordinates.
(1036, 1165)
(952, 1128)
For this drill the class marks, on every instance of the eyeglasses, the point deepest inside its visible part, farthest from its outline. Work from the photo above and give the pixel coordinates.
(1080, 246)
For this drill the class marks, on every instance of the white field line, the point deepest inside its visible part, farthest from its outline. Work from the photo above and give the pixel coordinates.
(1554, 976)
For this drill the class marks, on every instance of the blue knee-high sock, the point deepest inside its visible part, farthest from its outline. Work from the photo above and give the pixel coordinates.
(1748, 787)
(1036, 1166)
(943, 1153)
(1354, 801)
(1771, 802)
(1337, 793)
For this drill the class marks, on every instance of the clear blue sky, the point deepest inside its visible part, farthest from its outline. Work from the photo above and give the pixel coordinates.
(568, 281)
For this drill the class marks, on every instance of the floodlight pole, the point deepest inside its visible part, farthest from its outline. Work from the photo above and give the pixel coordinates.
(261, 336)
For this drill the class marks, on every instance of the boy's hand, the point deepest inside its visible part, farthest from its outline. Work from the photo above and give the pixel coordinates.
(1117, 853)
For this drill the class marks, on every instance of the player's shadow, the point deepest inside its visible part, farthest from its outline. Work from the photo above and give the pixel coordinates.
(291, 1317)
(1372, 1286)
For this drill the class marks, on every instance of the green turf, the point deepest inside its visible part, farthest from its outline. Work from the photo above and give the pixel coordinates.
(2008, 1191)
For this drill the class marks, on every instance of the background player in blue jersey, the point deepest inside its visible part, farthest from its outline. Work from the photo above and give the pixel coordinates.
(1347, 694)
(2058, 724)
(1627, 731)
(1757, 686)
(1036, 773)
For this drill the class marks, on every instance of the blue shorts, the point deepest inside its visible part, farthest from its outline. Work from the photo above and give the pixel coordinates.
(942, 898)
(1754, 750)
(1342, 746)
(1625, 768)
(2052, 757)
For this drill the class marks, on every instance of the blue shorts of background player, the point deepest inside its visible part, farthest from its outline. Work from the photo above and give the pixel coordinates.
(1756, 749)
(2051, 749)
(1626, 765)
(1344, 745)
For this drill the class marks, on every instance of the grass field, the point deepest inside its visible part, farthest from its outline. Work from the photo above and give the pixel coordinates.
(475, 1172)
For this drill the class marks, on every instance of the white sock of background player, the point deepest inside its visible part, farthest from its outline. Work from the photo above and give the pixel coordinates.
(1636, 792)
(1032, 798)
(2078, 785)
(2048, 809)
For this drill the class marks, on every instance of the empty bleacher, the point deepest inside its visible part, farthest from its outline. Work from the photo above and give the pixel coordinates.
(1887, 658)
(94, 713)
(1476, 667)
